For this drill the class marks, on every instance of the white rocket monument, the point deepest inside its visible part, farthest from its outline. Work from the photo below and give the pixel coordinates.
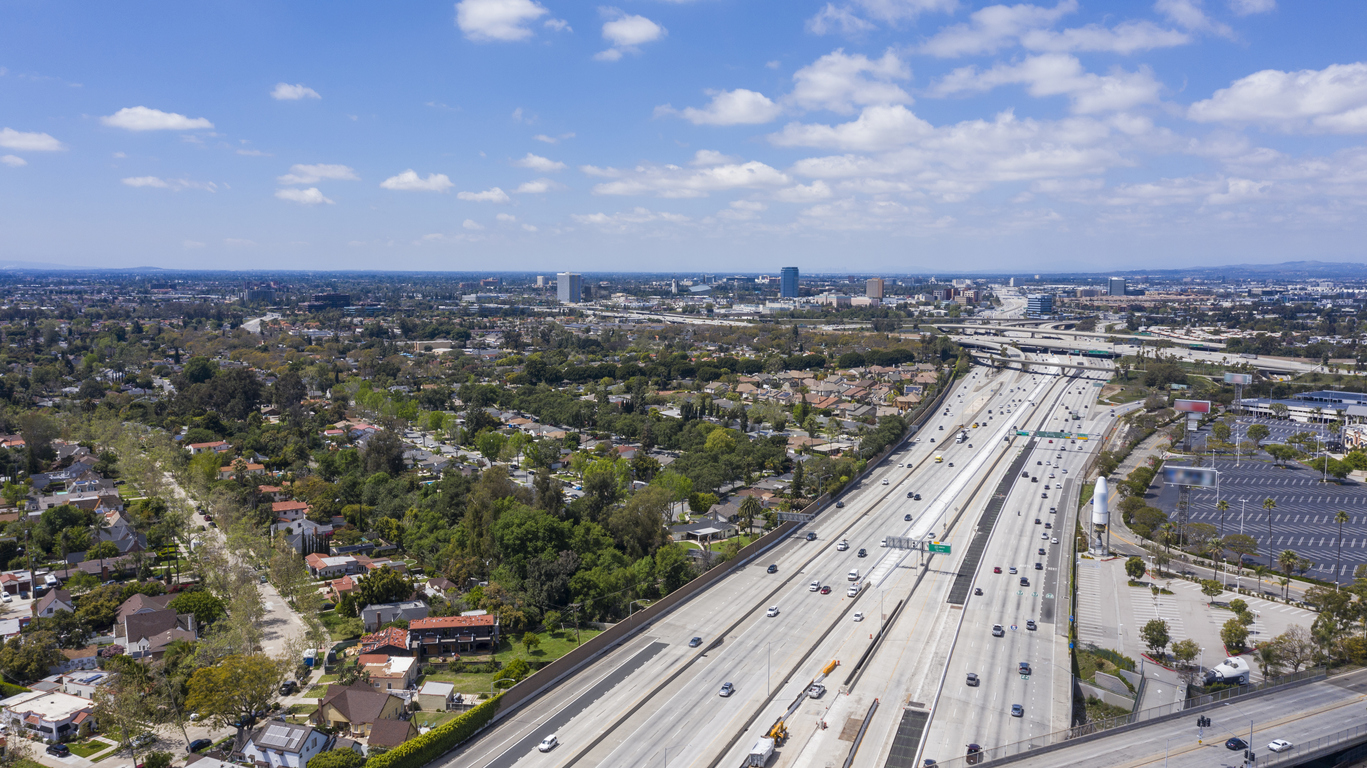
(1101, 517)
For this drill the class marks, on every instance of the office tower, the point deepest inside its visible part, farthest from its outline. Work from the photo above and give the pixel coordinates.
(787, 283)
(1039, 304)
(569, 287)
(874, 288)
(1116, 287)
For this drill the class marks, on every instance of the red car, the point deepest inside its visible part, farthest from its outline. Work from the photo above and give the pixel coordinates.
(826, 590)
(997, 569)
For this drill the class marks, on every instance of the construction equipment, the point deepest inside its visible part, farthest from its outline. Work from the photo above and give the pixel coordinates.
(779, 732)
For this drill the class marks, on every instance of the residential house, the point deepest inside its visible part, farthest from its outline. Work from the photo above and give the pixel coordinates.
(55, 600)
(289, 511)
(229, 473)
(324, 567)
(218, 446)
(278, 744)
(140, 603)
(373, 616)
(76, 659)
(14, 582)
(389, 734)
(354, 709)
(435, 696)
(389, 673)
(390, 641)
(147, 634)
(275, 492)
(48, 716)
(86, 500)
(304, 535)
(86, 682)
(337, 588)
(452, 635)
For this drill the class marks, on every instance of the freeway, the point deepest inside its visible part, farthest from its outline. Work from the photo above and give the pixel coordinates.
(667, 699)
(1032, 544)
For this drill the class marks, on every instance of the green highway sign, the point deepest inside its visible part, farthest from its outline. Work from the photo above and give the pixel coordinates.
(938, 548)
(1053, 435)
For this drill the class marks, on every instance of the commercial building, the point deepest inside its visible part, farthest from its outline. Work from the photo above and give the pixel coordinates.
(787, 283)
(1116, 287)
(1039, 304)
(874, 288)
(569, 287)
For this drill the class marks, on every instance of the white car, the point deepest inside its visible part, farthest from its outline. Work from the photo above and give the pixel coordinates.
(548, 743)
(814, 586)
(1279, 745)
(858, 615)
(843, 545)
(773, 611)
(853, 591)
(885, 481)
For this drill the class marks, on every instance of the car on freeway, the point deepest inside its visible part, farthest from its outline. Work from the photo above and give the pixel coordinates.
(1041, 550)
(1023, 668)
(1043, 535)
(951, 463)
(978, 591)
(1279, 745)
(695, 642)
(1055, 540)
(1039, 463)
(840, 505)
(917, 497)
(1030, 625)
(998, 631)
(726, 690)
(826, 590)
(1038, 521)
(1025, 582)
(1235, 743)
(863, 552)
(996, 569)
(1026, 473)
(853, 591)
(858, 615)
(1058, 485)
(907, 517)
(842, 546)
(814, 586)
(1044, 495)
(772, 568)
(1013, 569)
(885, 481)
(972, 679)
(811, 536)
(900, 465)
(1039, 566)
(1017, 710)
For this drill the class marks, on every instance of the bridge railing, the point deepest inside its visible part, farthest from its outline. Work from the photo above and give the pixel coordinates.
(1101, 728)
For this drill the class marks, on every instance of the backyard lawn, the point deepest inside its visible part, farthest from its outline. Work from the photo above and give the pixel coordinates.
(552, 646)
(465, 682)
(88, 748)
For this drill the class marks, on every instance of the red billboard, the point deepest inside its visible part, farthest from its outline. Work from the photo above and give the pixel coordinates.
(1192, 406)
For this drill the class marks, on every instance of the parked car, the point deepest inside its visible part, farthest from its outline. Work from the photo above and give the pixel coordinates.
(198, 744)
(58, 750)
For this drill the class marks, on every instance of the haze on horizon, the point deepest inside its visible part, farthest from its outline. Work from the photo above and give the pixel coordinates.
(667, 135)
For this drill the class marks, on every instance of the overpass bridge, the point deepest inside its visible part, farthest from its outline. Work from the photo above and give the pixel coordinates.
(1203, 345)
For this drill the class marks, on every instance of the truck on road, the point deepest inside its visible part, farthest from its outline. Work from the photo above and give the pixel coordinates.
(759, 754)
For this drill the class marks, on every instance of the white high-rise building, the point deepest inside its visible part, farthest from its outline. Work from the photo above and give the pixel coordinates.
(569, 287)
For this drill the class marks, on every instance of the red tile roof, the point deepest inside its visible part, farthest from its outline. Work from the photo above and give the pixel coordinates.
(487, 620)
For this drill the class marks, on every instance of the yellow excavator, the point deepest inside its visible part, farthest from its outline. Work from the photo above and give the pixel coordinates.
(779, 732)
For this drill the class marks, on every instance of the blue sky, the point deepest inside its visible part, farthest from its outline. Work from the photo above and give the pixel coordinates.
(683, 135)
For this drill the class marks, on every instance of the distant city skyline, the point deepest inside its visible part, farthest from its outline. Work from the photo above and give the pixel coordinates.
(878, 136)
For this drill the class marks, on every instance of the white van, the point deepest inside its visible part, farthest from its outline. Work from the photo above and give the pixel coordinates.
(854, 575)
(883, 543)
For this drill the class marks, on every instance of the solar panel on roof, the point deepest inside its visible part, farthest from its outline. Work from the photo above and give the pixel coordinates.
(279, 736)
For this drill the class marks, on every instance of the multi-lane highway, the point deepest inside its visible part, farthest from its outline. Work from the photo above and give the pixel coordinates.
(656, 694)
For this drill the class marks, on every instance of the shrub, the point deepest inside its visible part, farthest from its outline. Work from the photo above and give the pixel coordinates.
(422, 750)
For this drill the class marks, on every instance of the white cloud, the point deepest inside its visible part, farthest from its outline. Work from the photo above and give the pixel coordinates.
(629, 220)
(1124, 38)
(674, 181)
(738, 107)
(13, 161)
(840, 82)
(494, 195)
(994, 27)
(559, 25)
(1057, 74)
(1239, 191)
(553, 139)
(1329, 100)
(706, 157)
(409, 181)
(254, 153)
(1190, 15)
(472, 225)
(536, 187)
(506, 218)
(145, 119)
(627, 32)
(809, 193)
(876, 128)
(529, 228)
(287, 92)
(859, 15)
(310, 196)
(497, 20)
(191, 244)
(174, 184)
(539, 163)
(743, 210)
(1250, 7)
(28, 142)
(312, 174)
(238, 242)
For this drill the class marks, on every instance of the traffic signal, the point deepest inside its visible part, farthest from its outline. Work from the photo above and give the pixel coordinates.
(1202, 721)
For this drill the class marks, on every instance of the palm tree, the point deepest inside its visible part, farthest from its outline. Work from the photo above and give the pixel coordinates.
(1269, 505)
(1223, 506)
(749, 509)
(1340, 518)
(1261, 571)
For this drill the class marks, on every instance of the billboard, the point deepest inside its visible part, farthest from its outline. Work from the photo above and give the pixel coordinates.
(1204, 478)
(1241, 379)
(1191, 406)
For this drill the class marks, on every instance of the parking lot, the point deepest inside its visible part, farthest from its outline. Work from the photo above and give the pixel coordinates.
(1303, 520)
(1281, 430)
